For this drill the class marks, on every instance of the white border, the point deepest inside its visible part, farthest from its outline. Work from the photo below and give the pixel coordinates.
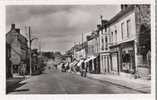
(3, 95)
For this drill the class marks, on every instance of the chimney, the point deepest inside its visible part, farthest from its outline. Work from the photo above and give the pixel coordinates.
(12, 26)
(18, 30)
(122, 7)
(125, 6)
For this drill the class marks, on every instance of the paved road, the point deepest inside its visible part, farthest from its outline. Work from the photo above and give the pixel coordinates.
(55, 82)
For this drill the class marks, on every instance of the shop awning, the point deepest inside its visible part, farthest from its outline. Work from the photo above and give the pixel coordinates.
(91, 58)
(80, 62)
(66, 64)
(74, 63)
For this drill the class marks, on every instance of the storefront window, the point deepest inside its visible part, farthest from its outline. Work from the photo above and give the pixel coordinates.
(128, 61)
(126, 58)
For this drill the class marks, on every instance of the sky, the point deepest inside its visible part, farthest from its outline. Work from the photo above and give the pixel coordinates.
(58, 27)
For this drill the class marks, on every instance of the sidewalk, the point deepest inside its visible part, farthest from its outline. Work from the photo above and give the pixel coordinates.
(140, 85)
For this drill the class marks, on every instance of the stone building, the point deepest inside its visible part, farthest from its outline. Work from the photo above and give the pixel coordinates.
(129, 39)
(16, 50)
(8, 62)
(93, 57)
(104, 51)
(79, 51)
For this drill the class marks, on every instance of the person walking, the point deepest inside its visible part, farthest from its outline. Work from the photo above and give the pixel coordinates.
(149, 60)
(63, 68)
(83, 70)
(23, 69)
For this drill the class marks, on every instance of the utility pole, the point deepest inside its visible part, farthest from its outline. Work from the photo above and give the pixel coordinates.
(30, 51)
(40, 47)
(101, 28)
(82, 40)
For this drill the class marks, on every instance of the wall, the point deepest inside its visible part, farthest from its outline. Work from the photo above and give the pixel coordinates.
(80, 54)
(143, 17)
(117, 26)
(18, 45)
(90, 48)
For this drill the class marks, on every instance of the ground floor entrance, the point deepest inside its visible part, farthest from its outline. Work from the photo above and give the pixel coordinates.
(105, 63)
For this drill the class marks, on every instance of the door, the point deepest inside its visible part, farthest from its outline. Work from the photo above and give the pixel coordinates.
(114, 62)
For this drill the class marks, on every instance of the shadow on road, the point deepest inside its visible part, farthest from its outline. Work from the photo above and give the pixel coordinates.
(20, 90)
(14, 87)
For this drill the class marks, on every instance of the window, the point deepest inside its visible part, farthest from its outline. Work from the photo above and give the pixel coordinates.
(115, 35)
(102, 40)
(111, 36)
(105, 29)
(122, 30)
(128, 27)
(106, 39)
(106, 43)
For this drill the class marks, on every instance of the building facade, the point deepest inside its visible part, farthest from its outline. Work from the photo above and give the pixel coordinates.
(104, 51)
(93, 57)
(17, 49)
(127, 45)
(121, 45)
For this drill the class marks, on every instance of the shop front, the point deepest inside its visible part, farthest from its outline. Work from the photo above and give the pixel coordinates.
(105, 63)
(97, 65)
(128, 58)
(91, 64)
(115, 59)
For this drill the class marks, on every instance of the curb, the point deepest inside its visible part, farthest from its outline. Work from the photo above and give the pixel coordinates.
(146, 92)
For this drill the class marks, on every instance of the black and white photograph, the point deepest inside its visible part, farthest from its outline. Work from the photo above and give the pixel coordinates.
(78, 49)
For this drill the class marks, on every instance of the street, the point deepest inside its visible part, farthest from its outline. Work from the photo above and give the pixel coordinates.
(55, 82)
(50, 49)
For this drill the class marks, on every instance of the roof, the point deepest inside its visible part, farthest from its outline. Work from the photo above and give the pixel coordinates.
(20, 36)
(92, 36)
(81, 46)
(120, 14)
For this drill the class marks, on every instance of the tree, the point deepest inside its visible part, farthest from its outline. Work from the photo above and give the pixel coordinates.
(49, 55)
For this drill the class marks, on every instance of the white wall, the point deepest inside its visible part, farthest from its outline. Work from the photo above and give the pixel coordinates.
(80, 54)
(100, 40)
(117, 26)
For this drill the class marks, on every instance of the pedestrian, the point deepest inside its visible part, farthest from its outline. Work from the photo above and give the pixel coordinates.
(63, 68)
(149, 60)
(56, 66)
(67, 67)
(83, 69)
(23, 69)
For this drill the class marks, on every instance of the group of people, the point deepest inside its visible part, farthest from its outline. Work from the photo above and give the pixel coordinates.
(65, 67)
(82, 69)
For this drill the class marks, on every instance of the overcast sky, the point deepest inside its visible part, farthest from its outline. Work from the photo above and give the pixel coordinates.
(58, 26)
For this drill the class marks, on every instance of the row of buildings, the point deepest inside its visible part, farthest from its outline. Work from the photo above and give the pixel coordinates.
(17, 53)
(121, 45)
